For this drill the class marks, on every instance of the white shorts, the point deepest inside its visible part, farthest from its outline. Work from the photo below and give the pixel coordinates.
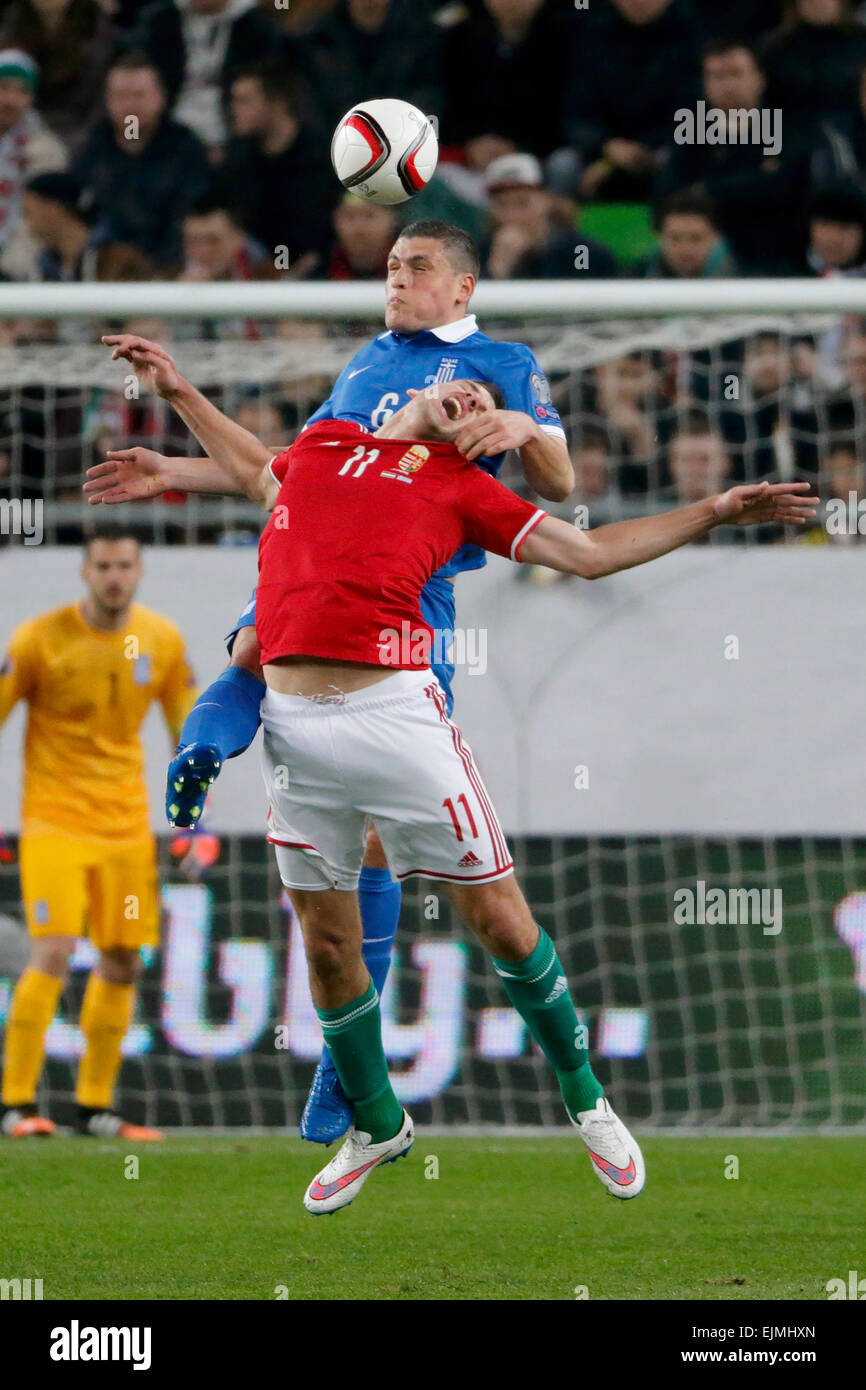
(387, 754)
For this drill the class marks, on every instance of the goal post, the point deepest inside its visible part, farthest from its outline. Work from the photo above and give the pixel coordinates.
(559, 299)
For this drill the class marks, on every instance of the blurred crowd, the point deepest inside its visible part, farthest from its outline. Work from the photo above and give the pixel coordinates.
(136, 136)
(189, 140)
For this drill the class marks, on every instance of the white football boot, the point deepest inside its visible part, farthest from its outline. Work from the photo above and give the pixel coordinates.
(341, 1180)
(615, 1156)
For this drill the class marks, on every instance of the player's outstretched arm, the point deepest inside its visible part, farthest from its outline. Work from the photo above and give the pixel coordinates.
(232, 448)
(624, 544)
(134, 475)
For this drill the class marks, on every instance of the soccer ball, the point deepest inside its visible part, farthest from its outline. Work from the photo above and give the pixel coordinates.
(384, 150)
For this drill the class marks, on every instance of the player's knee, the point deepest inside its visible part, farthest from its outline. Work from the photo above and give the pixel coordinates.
(246, 652)
(120, 965)
(329, 954)
(374, 854)
(51, 956)
(504, 939)
(498, 914)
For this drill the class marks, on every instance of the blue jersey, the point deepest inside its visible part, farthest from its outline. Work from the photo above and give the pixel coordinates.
(377, 381)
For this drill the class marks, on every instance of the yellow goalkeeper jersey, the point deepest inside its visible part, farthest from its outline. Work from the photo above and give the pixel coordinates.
(88, 692)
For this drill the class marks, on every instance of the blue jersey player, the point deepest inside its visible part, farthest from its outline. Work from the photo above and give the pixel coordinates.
(429, 337)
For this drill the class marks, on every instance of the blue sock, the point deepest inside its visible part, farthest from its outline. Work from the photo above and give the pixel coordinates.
(226, 714)
(380, 898)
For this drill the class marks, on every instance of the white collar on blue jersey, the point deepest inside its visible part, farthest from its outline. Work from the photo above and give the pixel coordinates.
(458, 330)
(451, 332)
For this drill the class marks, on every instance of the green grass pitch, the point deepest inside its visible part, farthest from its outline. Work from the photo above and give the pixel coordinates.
(505, 1219)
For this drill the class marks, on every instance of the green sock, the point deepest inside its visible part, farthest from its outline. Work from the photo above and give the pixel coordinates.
(354, 1037)
(539, 991)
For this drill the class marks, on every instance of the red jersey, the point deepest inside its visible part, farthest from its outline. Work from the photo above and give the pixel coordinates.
(359, 526)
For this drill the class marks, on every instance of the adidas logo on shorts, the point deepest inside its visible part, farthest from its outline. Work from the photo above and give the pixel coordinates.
(469, 861)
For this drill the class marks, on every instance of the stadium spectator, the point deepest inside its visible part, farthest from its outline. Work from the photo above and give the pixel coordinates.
(365, 234)
(813, 61)
(634, 64)
(276, 174)
(197, 46)
(27, 148)
(384, 48)
(842, 412)
(263, 418)
(627, 398)
(854, 357)
(843, 473)
(216, 248)
(497, 50)
(593, 464)
(691, 246)
(72, 42)
(524, 242)
(698, 460)
(759, 196)
(837, 230)
(765, 405)
(142, 168)
(72, 248)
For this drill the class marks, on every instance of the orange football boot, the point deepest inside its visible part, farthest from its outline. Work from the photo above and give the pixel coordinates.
(22, 1124)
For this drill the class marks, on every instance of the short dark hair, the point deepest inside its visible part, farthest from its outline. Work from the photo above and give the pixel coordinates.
(105, 531)
(459, 248)
(686, 202)
(132, 61)
(694, 424)
(594, 436)
(207, 204)
(274, 80)
(728, 43)
(844, 446)
(840, 200)
(492, 389)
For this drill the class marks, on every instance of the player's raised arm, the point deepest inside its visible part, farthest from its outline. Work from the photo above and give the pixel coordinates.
(135, 475)
(624, 544)
(228, 445)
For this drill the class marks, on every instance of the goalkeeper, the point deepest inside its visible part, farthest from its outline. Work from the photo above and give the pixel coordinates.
(88, 673)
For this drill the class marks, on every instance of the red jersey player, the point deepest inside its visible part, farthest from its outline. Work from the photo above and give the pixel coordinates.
(355, 729)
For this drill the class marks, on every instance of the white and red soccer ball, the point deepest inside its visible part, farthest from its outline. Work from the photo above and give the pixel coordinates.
(384, 151)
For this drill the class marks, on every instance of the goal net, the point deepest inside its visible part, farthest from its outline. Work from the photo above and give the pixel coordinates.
(689, 1023)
